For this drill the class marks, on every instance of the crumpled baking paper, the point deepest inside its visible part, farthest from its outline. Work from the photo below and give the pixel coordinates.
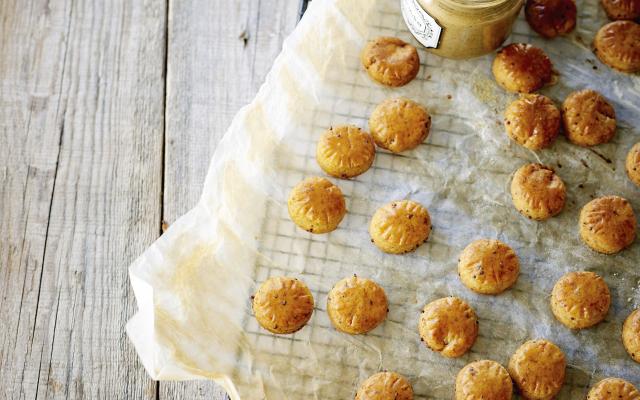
(193, 285)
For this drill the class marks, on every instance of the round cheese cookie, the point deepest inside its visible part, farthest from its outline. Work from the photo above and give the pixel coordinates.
(632, 164)
(283, 305)
(608, 224)
(522, 68)
(537, 192)
(588, 118)
(532, 121)
(400, 226)
(538, 369)
(385, 386)
(390, 61)
(617, 44)
(551, 18)
(316, 205)
(631, 335)
(613, 389)
(356, 305)
(345, 151)
(399, 124)
(448, 326)
(483, 380)
(580, 299)
(621, 9)
(488, 266)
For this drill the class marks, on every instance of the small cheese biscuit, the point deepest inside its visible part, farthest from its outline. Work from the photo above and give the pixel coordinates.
(588, 118)
(632, 164)
(621, 9)
(488, 266)
(283, 305)
(522, 68)
(399, 124)
(608, 224)
(345, 151)
(448, 326)
(356, 305)
(617, 44)
(390, 61)
(483, 380)
(385, 386)
(551, 18)
(316, 205)
(532, 121)
(538, 369)
(400, 226)
(613, 389)
(537, 192)
(631, 335)
(580, 299)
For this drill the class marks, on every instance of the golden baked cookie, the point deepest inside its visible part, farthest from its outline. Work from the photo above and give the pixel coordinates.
(621, 9)
(400, 226)
(282, 304)
(538, 369)
(580, 299)
(390, 61)
(316, 205)
(356, 305)
(631, 335)
(385, 386)
(522, 68)
(533, 121)
(588, 118)
(399, 124)
(488, 266)
(608, 224)
(617, 44)
(537, 192)
(483, 380)
(345, 151)
(613, 389)
(632, 164)
(551, 18)
(448, 326)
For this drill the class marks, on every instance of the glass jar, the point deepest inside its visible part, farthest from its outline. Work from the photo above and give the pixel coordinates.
(460, 28)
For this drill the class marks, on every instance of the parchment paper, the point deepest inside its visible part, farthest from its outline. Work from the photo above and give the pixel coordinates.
(193, 285)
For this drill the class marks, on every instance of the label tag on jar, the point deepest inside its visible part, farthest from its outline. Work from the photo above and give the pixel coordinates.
(422, 25)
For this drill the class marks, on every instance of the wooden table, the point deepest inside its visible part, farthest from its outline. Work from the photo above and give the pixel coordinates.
(109, 113)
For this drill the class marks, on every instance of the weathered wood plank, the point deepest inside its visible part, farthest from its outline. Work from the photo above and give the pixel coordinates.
(218, 55)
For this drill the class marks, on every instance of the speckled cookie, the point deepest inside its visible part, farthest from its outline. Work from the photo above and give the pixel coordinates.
(613, 389)
(538, 369)
(488, 266)
(400, 226)
(399, 124)
(617, 44)
(588, 118)
(631, 335)
(632, 164)
(537, 192)
(551, 18)
(580, 299)
(316, 205)
(448, 326)
(532, 121)
(621, 9)
(356, 305)
(283, 305)
(385, 386)
(522, 68)
(345, 151)
(608, 224)
(390, 61)
(483, 380)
